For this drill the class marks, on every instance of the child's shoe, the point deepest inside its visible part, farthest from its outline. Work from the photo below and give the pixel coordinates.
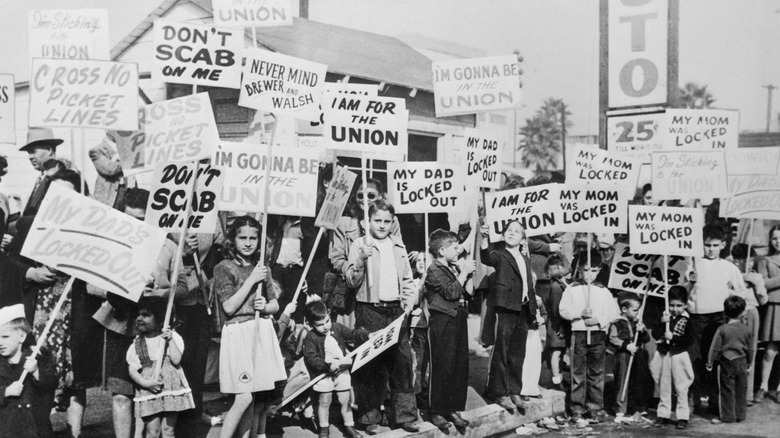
(660, 422)
(324, 432)
(682, 424)
(759, 397)
(350, 432)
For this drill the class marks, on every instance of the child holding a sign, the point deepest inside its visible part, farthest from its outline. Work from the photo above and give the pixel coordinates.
(325, 351)
(671, 365)
(157, 402)
(24, 406)
(591, 309)
(621, 342)
(250, 360)
(448, 330)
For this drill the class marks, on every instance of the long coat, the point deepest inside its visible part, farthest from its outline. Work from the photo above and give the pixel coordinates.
(27, 416)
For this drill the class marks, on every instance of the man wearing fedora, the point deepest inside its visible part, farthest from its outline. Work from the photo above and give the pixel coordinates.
(41, 146)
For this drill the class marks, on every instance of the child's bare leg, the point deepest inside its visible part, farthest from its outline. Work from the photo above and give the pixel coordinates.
(345, 398)
(152, 426)
(168, 423)
(261, 415)
(766, 364)
(323, 408)
(78, 399)
(122, 415)
(555, 363)
(233, 418)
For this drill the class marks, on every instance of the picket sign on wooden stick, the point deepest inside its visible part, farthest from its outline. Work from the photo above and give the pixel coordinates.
(427, 245)
(666, 287)
(308, 265)
(636, 335)
(49, 323)
(175, 272)
(84, 153)
(750, 242)
(266, 200)
(201, 283)
(587, 327)
(367, 236)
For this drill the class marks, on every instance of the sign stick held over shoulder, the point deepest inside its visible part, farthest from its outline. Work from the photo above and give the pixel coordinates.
(175, 272)
(54, 314)
(666, 287)
(587, 328)
(427, 243)
(266, 200)
(367, 236)
(308, 265)
(636, 335)
(749, 244)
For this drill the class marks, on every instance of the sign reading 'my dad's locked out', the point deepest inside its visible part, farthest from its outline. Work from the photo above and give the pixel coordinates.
(425, 187)
(483, 158)
(187, 53)
(93, 242)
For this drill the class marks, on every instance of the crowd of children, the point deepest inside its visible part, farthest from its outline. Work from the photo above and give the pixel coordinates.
(716, 319)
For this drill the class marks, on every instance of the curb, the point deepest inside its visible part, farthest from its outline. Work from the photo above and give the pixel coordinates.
(492, 419)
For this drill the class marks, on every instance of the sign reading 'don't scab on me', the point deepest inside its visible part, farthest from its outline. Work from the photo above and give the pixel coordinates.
(93, 242)
(468, 86)
(84, 93)
(187, 53)
(425, 186)
(665, 230)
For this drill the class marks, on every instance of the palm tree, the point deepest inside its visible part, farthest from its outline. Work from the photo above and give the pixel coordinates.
(543, 135)
(695, 96)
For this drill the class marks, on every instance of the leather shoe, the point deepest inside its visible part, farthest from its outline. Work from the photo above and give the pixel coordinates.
(350, 432)
(372, 429)
(518, 400)
(505, 402)
(411, 426)
(457, 420)
(324, 432)
(525, 398)
(440, 422)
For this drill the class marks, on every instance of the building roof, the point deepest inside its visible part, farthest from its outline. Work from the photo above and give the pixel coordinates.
(758, 139)
(345, 51)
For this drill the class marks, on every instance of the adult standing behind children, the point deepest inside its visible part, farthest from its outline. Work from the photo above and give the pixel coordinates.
(381, 299)
(514, 301)
(769, 268)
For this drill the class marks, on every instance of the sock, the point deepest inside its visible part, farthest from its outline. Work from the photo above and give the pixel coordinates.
(557, 379)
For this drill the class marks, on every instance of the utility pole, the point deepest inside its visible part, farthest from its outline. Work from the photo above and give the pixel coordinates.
(303, 9)
(563, 136)
(769, 89)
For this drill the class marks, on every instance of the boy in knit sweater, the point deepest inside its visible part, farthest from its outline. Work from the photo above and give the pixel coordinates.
(671, 364)
(732, 349)
(710, 281)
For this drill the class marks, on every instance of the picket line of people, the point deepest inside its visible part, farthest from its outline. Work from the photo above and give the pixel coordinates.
(368, 279)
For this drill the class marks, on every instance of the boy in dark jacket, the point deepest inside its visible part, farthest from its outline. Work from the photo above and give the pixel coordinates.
(325, 351)
(671, 363)
(447, 330)
(621, 342)
(24, 407)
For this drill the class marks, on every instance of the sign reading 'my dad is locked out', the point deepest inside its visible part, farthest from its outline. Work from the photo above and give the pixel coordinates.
(425, 187)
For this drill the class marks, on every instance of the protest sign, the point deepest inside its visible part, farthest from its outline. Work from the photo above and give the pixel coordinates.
(381, 341)
(345, 88)
(753, 161)
(637, 34)
(689, 175)
(469, 86)
(665, 230)
(425, 187)
(87, 94)
(336, 198)
(700, 129)
(168, 197)
(282, 84)
(752, 196)
(375, 125)
(483, 159)
(181, 129)
(69, 34)
(594, 165)
(635, 135)
(592, 208)
(7, 104)
(534, 207)
(197, 54)
(293, 180)
(250, 13)
(93, 242)
(130, 147)
(629, 272)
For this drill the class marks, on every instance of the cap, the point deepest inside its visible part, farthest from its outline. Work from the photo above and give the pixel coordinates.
(606, 240)
(10, 313)
(40, 137)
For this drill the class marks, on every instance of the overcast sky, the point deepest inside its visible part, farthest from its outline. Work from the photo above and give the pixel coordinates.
(730, 45)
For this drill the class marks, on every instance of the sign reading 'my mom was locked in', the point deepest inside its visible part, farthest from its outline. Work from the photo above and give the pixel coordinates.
(93, 242)
(665, 230)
